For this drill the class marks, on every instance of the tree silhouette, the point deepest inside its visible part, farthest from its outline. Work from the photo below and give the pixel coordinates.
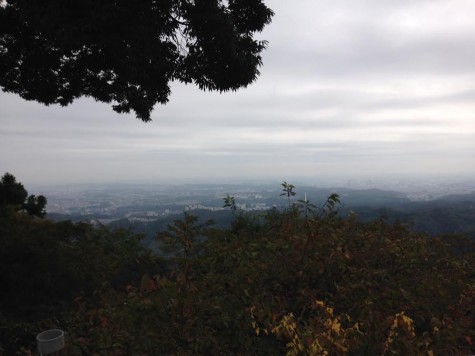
(288, 190)
(13, 196)
(230, 202)
(126, 52)
(11, 192)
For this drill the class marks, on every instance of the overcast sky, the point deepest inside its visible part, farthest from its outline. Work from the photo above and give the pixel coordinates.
(348, 88)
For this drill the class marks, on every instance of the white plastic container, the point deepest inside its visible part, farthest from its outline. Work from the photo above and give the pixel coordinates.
(50, 341)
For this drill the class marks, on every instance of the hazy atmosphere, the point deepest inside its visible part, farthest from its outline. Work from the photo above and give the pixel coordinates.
(347, 88)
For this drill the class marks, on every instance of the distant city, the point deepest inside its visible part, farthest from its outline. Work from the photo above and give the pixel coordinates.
(147, 202)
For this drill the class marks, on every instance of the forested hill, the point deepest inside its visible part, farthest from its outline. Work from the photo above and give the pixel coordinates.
(147, 210)
(453, 214)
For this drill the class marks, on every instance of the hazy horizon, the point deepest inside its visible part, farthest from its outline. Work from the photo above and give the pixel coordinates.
(401, 183)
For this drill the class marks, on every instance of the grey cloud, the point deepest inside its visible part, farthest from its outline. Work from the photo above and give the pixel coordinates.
(355, 38)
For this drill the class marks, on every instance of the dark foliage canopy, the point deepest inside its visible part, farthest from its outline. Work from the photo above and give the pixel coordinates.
(127, 52)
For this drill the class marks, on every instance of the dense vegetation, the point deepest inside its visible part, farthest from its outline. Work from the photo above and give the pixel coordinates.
(299, 281)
